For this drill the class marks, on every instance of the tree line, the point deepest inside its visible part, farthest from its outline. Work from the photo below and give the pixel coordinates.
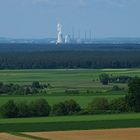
(16, 89)
(40, 107)
(69, 59)
(105, 79)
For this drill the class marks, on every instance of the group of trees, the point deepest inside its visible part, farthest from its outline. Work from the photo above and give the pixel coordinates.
(105, 79)
(15, 89)
(131, 102)
(38, 108)
(102, 105)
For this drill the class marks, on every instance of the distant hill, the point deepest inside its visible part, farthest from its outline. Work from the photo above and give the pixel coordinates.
(26, 41)
(118, 40)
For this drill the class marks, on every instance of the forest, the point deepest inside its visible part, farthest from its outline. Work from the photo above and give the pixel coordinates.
(43, 56)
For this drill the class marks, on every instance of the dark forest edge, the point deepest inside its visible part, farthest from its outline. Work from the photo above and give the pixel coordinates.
(70, 59)
(51, 56)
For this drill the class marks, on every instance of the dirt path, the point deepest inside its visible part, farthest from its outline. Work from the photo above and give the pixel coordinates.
(111, 134)
(6, 136)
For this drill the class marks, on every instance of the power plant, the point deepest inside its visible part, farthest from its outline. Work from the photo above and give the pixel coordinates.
(67, 39)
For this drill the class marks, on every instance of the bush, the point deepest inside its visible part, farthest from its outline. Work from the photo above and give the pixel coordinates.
(119, 105)
(9, 110)
(116, 88)
(98, 105)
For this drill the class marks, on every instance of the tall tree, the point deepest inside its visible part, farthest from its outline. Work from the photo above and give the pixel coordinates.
(133, 97)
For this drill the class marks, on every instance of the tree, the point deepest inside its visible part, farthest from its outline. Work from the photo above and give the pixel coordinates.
(59, 109)
(104, 79)
(72, 106)
(133, 97)
(119, 105)
(1, 84)
(27, 91)
(9, 109)
(40, 107)
(66, 108)
(23, 109)
(98, 105)
(36, 84)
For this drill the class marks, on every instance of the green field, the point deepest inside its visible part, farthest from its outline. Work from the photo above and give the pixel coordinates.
(70, 123)
(82, 100)
(82, 80)
(62, 77)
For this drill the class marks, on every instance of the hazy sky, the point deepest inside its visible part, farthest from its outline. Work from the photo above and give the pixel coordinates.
(38, 18)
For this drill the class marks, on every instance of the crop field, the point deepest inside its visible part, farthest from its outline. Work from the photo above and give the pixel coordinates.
(70, 123)
(113, 134)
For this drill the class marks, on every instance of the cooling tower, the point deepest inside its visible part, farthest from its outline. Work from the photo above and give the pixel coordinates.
(59, 34)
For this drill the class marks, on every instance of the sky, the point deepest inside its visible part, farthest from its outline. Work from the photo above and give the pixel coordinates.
(38, 18)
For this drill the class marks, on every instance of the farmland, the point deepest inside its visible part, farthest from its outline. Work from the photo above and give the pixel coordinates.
(113, 134)
(83, 80)
(86, 81)
(70, 123)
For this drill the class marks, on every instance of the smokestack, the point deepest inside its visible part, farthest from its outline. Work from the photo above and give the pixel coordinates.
(79, 34)
(85, 35)
(73, 34)
(67, 39)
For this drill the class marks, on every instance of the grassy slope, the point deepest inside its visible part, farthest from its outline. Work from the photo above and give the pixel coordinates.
(70, 123)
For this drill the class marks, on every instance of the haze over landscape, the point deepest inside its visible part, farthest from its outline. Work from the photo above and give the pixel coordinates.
(38, 18)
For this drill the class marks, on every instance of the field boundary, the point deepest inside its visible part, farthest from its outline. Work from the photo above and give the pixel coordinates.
(27, 136)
